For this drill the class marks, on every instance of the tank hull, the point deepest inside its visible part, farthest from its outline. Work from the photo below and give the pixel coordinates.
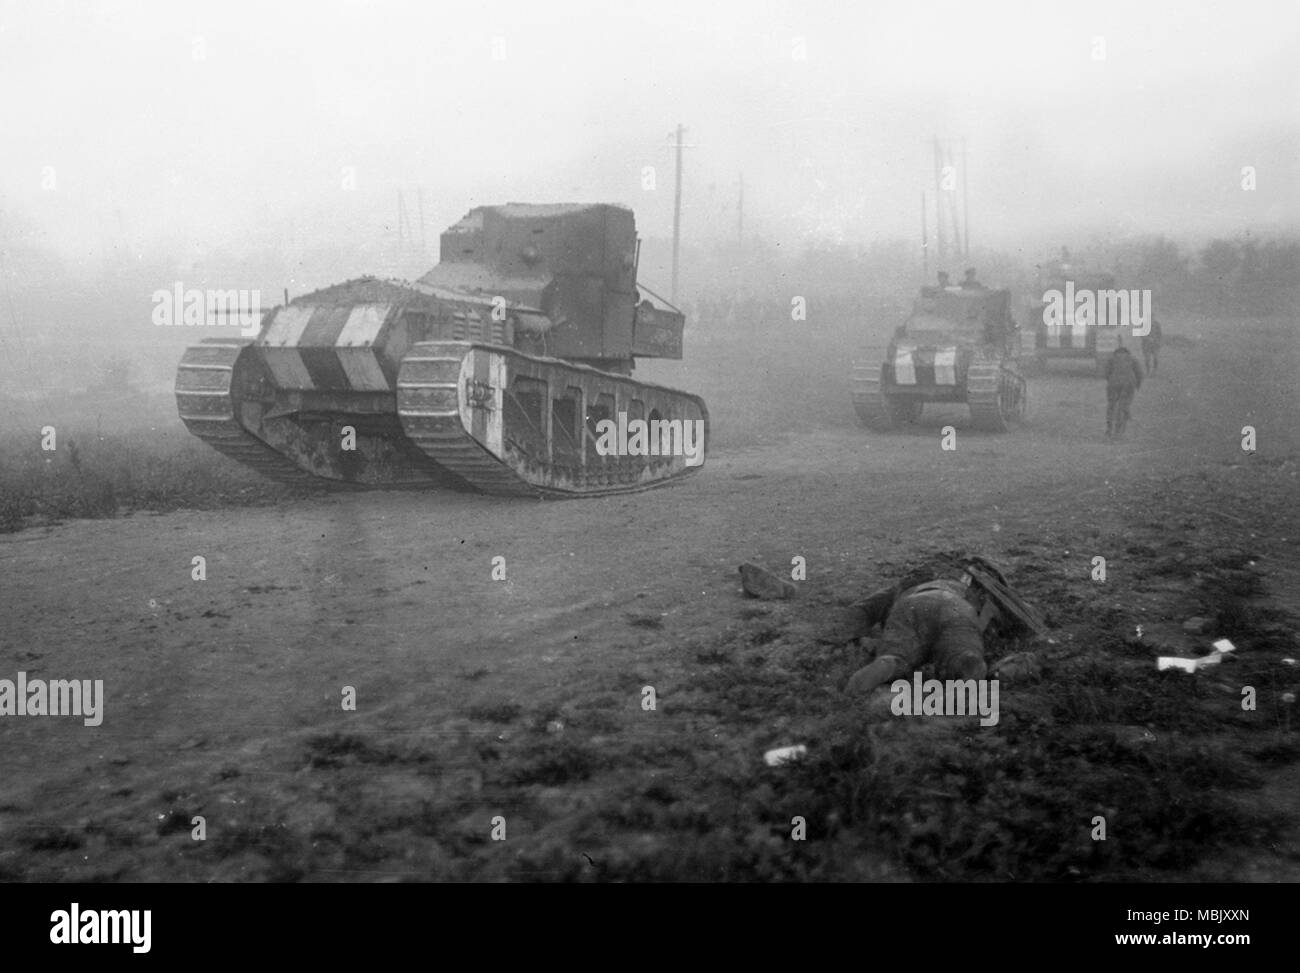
(506, 369)
(460, 415)
(1072, 336)
(975, 367)
(996, 394)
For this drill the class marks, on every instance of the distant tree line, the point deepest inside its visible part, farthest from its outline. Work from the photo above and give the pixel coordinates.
(1246, 275)
(1254, 276)
(728, 286)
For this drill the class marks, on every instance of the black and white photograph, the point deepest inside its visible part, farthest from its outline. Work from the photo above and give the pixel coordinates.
(756, 442)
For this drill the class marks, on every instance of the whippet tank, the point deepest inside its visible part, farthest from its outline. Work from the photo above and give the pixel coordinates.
(493, 372)
(958, 346)
(1078, 335)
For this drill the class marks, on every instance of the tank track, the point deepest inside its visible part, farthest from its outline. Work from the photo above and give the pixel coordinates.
(869, 400)
(428, 404)
(205, 401)
(429, 400)
(996, 395)
(874, 407)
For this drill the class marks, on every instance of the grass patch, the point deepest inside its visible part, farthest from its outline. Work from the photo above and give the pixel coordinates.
(496, 712)
(95, 477)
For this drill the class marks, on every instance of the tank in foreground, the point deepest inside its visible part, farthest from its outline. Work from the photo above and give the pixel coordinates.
(494, 371)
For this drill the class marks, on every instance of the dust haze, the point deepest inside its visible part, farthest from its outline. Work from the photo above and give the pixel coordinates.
(252, 146)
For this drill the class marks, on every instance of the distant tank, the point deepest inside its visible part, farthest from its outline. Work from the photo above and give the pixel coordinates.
(1075, 337)
(959, 345)
(492, 371)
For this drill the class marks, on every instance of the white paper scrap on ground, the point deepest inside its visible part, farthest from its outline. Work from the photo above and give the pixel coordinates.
(774, 758)
(1187, 665)
(1223, 645)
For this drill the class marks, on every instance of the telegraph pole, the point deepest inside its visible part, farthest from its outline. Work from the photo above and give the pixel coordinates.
(965, 203)
(938, 204)
(677, 209)
(925, 246)
(952, 227)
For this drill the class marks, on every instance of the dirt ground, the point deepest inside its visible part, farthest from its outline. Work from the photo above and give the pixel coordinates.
(522, 699)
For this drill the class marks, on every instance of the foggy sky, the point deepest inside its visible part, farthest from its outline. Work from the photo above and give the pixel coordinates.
(192, 125)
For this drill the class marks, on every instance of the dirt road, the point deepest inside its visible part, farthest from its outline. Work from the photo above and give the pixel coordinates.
(523, 698)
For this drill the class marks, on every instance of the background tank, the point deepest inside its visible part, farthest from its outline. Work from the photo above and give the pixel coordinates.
(1074, 339)
(957, 346)
(491, 371)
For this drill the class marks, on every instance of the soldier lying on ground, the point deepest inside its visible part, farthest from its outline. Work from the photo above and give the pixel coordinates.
(930, 623)
(940, 623)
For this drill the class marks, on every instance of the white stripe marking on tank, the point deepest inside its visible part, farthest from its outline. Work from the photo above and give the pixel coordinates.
(495, 429)
(492, 435)
(288, 326)
(904, 366)
(945, 366)
(363, 325)
(1079, 329)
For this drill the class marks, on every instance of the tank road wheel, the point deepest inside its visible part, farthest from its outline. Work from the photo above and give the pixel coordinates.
(870, 403)
(997, 398)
